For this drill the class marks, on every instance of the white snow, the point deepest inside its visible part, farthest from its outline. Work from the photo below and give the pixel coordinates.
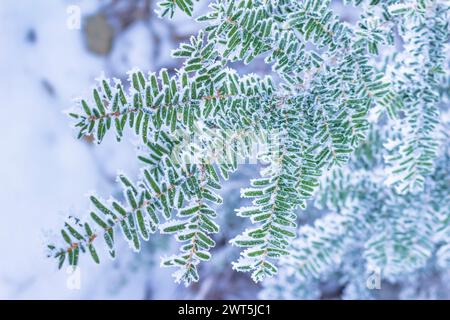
(45, 171)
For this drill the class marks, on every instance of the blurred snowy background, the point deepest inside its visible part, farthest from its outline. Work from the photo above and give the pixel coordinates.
(46, 61)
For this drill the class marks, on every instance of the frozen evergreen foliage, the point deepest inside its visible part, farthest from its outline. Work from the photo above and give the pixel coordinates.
(372, 227)
(168, 7)
(349, 117)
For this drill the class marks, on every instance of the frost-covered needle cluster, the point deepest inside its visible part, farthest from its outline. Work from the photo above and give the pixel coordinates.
(350, 117)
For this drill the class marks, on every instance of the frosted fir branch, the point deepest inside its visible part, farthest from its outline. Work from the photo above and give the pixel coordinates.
(424, 32)
(328, 82)
(167, 8)
(391, 233)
